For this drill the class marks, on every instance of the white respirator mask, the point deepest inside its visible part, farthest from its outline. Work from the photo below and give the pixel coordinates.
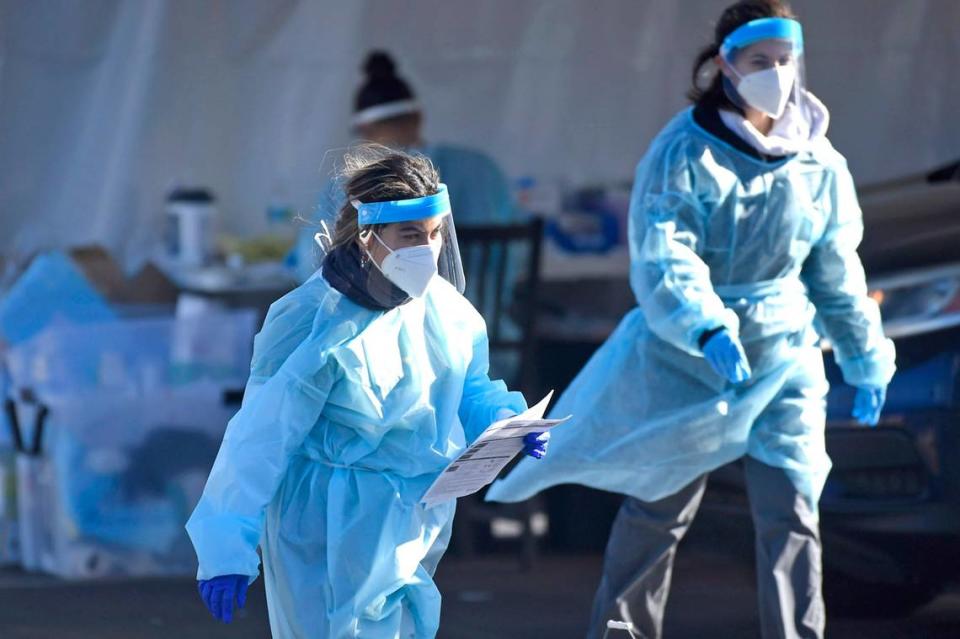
(411, 268)
(767, 90)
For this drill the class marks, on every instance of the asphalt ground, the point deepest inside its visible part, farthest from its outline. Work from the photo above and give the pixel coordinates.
(484, 598)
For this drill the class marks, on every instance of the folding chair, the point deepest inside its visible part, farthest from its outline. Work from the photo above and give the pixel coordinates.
(502, 269)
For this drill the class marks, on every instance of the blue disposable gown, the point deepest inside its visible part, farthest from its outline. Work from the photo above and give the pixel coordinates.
(348, 417)
(718, 238)
(479, 194)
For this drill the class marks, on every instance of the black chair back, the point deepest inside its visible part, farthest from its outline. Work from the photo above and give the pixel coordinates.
(502, 269)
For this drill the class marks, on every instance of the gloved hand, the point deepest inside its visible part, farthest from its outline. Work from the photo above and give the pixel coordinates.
(724, 353)
(218, 594)
(868, 404)
(535, 444)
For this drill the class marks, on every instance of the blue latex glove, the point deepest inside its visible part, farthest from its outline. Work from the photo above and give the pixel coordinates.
(868, 404)
(218, 594)
(535, 444)
(724, 352)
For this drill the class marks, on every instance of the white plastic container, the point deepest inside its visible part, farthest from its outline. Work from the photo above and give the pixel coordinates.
(191, 227)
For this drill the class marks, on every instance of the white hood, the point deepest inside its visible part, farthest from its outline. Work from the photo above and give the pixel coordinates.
(794, 131)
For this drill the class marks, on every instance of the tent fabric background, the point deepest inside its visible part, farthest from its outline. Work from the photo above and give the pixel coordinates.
(105, 104)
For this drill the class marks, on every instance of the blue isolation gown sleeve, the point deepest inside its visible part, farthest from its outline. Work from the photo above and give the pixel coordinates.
(483, 398)
(503, 209)
(837, 287)
(669, 278)
(282, 403)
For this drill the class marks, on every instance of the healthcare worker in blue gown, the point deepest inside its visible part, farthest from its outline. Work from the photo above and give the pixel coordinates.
(366, 382)
(387, 112)
(744, 226)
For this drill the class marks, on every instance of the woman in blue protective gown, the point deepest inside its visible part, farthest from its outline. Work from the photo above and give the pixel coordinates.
(744, 226)
(387, 111)
(366, 382)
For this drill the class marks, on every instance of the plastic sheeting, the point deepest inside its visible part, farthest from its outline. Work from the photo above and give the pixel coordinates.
(105, 104)
(132, 414)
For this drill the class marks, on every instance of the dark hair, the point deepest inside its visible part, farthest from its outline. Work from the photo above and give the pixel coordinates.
(731, 19)
(375, 173)
(382, 84)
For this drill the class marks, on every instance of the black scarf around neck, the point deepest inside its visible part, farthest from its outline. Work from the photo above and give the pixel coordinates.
(343, 268)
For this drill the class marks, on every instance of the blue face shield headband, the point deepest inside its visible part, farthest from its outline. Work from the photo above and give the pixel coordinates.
(404, 210)
(763, 29)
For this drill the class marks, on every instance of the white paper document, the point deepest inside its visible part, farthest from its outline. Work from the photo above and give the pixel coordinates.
(483, 460)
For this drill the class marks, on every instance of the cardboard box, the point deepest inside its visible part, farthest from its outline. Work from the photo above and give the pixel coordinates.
(148, 286)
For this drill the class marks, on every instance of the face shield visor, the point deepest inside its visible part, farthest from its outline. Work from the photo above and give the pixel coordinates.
(763, 60)
(411, 241)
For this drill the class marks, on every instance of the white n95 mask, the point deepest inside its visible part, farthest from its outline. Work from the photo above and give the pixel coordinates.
(411, 268)
(768, 90)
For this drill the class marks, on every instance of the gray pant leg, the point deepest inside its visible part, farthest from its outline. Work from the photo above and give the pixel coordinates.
(788, 555)
(639, 560)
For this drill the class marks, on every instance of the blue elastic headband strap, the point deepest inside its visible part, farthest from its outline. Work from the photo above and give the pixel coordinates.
(404, 210)
(763, 29)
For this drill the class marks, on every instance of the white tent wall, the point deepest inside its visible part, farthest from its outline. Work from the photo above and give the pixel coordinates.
(104, 104)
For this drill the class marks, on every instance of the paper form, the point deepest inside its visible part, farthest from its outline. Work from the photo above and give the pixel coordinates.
(483, 460)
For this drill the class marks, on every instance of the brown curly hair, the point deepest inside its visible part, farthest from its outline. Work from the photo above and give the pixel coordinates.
(375, 173)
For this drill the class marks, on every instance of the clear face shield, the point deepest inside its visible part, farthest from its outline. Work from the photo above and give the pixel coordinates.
(409, 242)
(763, 66)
